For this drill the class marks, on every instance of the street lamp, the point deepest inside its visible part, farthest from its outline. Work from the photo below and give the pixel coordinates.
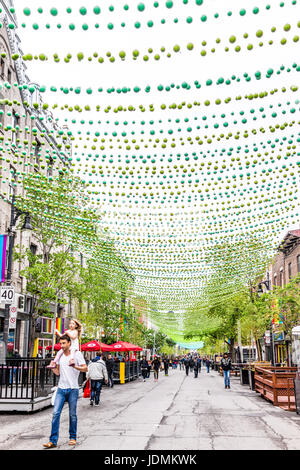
(14, 215)
(260, 291)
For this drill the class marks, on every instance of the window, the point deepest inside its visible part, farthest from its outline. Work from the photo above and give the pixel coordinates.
(33, 248)
(2, 67)
(37, 151)
(290, 270)
(275, 279)
(12, 182)
(281, 278)
(50, 167)
(15, 124)
(9, 74)
(2, 110)
(298, 263)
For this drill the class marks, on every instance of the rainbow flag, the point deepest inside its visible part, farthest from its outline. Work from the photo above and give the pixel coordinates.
(60, 325)
(3, 243)
(47, 325)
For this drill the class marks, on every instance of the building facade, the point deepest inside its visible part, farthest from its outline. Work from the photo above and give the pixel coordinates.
(29, 145)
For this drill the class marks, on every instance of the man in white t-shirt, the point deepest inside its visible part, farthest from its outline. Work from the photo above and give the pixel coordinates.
(68, 391)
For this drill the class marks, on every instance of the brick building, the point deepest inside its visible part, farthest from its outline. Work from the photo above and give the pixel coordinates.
(285, 266)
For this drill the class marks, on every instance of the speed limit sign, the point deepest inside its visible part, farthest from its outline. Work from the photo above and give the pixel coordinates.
(7, 295)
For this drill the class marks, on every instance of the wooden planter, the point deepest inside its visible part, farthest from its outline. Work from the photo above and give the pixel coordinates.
(276, 384)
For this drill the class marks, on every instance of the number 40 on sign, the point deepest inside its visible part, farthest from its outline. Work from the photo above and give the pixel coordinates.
(7, 295)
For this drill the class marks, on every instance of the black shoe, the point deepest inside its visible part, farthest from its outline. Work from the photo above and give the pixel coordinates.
(228, 386)
(91, 402)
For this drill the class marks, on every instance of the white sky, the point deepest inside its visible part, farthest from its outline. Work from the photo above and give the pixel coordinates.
(186, 66)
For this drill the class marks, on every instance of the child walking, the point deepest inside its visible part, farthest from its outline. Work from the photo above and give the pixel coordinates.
(74, 334)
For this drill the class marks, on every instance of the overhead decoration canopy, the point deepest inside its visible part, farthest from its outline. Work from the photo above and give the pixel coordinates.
(183, 122)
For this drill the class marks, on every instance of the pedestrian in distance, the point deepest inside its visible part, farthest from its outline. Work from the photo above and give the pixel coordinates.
(149, 369)
(199, 364)
(207, 363)
(144, 368)
(74, 333)
(67, 391)
(187, 365)
(166, 365)
(97, 374)
(192, 364)
(110, 370)
(226, 366)
(196, 368)
(156, 365)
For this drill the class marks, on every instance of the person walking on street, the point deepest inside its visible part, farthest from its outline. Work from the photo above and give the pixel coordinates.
(187, 365)
(67, 391)
(110, 370)
(207, 363)
(226, 367)
(166, 365)
(144, 368)
(97, 373)
(156, 364)
(192, 363)
(196, 368)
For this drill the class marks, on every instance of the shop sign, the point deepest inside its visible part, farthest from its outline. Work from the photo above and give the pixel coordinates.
(268, 337)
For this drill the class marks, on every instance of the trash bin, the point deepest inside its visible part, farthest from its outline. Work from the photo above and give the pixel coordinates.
(244, 376)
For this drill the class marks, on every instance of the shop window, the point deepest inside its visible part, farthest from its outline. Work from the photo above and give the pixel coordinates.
(290, 270)
(298, 263)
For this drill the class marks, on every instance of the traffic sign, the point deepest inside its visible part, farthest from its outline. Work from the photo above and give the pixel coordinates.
(7, 295)
(12, 317)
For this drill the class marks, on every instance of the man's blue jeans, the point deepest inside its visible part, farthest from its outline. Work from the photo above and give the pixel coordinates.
(69, 395)
(226, 377)
(96, 386)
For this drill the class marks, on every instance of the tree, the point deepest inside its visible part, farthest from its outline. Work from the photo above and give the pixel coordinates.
(51, 282)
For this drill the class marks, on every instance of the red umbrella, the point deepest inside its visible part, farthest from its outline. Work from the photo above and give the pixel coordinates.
(57, 347)
(124, 346)
(95, 346)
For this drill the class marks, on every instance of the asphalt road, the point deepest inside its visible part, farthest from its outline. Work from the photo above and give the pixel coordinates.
(175, 413)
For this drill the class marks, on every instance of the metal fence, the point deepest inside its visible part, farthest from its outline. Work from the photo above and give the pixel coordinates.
(132, 371)
(27, 379)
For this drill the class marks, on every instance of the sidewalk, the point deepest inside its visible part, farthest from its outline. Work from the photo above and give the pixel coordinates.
(177, 412)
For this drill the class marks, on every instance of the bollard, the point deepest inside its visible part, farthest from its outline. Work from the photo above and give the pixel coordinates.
(122, 372)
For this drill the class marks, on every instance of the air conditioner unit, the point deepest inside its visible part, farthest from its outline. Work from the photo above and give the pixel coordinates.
(21, 303)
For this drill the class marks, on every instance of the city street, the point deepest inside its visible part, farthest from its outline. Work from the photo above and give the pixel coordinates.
(176, 413)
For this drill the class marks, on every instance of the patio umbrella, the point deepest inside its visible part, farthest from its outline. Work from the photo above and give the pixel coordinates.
(124, 346)
(96, 346)
(57, 347)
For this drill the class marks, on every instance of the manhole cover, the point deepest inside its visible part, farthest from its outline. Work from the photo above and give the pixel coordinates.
(33, 436)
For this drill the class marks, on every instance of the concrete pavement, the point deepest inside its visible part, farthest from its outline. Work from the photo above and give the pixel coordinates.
(175, 413)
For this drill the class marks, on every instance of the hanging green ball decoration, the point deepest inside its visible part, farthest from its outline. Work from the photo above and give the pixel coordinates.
(53, 11)
(141, 7)
(83, 11)
(27, 12)
(97, 10)
(169, 4)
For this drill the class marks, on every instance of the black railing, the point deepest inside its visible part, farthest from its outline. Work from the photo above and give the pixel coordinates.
(132, 371)
(27, 379)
